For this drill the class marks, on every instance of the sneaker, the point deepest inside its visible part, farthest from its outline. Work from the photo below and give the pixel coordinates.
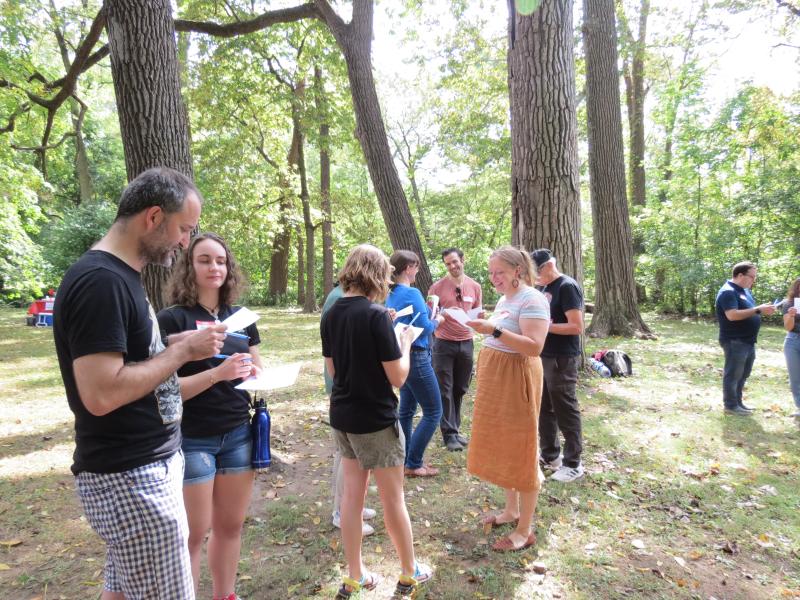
(406, 586)
(368, 513)
(453, 445)
(366, 528)
(567, 474)
(550, 465)
(747, 408)
(796, 414)
(738, 411)
(462, 440)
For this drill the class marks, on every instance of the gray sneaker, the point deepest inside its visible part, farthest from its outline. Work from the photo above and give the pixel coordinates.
(568, 474)
(550, 465)
(738, 411)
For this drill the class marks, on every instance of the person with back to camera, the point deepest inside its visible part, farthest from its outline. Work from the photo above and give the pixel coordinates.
(739, 320)
(791, 345)
(421, 388)
(362, 354)
(504, 448)
(217, 442)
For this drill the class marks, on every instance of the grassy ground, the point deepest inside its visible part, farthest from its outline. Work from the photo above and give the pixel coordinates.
(679, 501)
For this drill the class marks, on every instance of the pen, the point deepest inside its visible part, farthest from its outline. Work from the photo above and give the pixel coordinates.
(222, 356)
(414, 319)
(237, 335)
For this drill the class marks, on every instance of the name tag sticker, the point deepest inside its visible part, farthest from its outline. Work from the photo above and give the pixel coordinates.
(742, 296)
(468, 298)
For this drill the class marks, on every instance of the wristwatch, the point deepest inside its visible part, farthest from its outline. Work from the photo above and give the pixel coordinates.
(498, 331)
(758, 311)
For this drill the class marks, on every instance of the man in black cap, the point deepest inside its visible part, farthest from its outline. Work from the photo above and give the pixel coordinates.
(561, 358)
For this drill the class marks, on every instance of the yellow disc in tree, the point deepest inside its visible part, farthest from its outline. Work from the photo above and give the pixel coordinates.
(526, 7)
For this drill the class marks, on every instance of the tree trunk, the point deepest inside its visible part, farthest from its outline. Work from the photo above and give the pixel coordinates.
(355, 40)
(544, 154)
(615, 309)
(301, 269)
(279, 258)
(633, 69)
(324, 184)
(82, 174)
(309, 298)
(152, 115)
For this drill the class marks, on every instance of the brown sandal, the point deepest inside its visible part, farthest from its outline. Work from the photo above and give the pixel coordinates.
(423, 471)
(505, 544)
(492, 521)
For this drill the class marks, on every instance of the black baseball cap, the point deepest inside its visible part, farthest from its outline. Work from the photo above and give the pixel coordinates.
(541, 256)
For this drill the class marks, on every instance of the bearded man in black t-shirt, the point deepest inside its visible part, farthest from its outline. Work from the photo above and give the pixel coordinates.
(561, 358)
(122, 388)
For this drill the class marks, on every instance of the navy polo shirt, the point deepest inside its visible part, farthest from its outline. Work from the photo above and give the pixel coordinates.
(731, 296)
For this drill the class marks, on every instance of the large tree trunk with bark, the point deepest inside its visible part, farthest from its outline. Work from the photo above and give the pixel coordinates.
(279, 258)
(324, 183)
(355, 40)
(309, 297)
(544, 153)
(152, 115)
(615, 308)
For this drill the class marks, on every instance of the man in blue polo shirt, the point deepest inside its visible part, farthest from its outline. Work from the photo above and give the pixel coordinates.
(739, 321)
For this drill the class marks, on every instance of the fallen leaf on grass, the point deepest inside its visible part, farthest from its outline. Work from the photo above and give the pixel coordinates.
(729, 547)
(639, 544)
(590, 547)
(681, 562)
(764, 542)
(487, 527)
(245, 578)
(10, 543)
(4, 567)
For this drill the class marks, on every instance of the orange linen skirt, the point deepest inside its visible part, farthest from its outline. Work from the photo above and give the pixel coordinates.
(504, 445)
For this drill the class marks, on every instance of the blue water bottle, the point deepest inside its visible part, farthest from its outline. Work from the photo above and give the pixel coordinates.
(260, 430)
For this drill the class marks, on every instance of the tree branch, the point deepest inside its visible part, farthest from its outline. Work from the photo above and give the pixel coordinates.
(21, 109)
(264, 20)
(795, 10)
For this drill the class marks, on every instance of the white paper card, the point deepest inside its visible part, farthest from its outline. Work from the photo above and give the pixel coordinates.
(463, 316)
(398, 330)
(241, 319)
(499, 316)
(272, 378)
(404, 311)
(797, 303)
(434, 300)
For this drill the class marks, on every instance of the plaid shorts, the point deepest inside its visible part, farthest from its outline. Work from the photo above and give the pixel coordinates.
(139, 514)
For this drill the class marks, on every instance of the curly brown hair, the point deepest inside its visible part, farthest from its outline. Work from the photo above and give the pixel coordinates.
(182, 286)
(794, 292)
(366, 270)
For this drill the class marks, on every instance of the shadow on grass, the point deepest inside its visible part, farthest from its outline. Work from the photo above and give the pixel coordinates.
(19, 445)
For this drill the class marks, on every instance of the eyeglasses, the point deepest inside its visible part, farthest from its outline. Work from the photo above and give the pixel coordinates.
(459, 297)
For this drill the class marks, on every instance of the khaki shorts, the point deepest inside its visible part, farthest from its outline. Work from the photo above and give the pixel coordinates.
(377, 450)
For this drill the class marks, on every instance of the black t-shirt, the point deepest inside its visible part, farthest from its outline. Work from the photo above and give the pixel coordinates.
(563, 294)
(358, 335)
(221, 408)
(101, 307)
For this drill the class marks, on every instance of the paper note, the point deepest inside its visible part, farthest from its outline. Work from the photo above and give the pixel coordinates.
(434, 304)
(462, 316)
(240, 319)
(398, 331)
(498, 316)
(404, 311)
(797, 303)
(272, 378)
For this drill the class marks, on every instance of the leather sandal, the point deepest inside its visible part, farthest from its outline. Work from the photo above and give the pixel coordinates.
(506, 544)
(423, 471)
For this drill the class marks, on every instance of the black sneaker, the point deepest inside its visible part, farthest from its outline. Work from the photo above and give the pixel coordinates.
(453, 445)
(747, 408)
(738, 411)
(462, 440)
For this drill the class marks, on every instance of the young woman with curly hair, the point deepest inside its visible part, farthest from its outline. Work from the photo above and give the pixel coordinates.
(791, 346)
(217, 446)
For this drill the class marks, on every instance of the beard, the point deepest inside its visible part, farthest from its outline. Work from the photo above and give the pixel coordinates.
(156, 249)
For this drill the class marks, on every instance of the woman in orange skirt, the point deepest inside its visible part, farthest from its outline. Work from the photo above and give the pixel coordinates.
(504, 448)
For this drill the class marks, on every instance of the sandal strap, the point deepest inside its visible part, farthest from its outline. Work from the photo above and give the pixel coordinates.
(352, 583)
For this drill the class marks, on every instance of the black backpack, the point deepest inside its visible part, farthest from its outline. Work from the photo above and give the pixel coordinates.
(617, 362)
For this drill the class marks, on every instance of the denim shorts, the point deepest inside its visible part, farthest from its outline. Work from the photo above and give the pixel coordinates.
(217, 454)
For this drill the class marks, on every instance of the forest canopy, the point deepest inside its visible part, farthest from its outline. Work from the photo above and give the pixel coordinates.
(712, 170)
